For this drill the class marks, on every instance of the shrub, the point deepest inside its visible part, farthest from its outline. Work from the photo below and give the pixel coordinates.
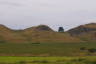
(61, 29)
(92, 50)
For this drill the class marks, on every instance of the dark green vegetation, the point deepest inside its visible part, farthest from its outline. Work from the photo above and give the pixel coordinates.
(47, 60)
(47, 49)
(61, 29)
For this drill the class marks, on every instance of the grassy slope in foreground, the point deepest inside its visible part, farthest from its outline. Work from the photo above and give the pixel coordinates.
(48, 60)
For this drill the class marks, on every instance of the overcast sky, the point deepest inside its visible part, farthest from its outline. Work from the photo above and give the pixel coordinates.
(20, 14)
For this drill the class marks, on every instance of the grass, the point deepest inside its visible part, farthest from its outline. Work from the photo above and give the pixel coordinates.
(48, 60)
(46, 53)
(45, 49)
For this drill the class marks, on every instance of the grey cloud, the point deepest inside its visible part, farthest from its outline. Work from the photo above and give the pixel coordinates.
(55, 13)
(10, 3)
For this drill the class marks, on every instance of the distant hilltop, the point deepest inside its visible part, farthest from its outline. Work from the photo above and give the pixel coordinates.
(83, 29)
(40, 28)
(44, 34)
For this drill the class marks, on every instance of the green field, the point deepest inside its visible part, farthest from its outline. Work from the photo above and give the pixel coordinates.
(47, 53)
(47, 60)
(45, 49)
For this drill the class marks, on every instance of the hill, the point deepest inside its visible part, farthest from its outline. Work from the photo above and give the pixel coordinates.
(43, 41)
(9, 35)
(85, 32)
(37, 34)
(43, 33)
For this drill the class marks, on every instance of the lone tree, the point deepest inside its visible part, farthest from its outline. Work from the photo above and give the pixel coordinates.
(61, 29)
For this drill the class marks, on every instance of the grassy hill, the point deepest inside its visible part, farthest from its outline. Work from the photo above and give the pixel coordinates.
(37, 34)
(43, 33)
(43, 41)
(85, 32)
(9, 35)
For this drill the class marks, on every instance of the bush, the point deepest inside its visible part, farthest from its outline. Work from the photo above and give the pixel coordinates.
(92, 50)
(61, 29)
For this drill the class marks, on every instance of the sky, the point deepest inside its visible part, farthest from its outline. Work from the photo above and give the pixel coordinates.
(21, 14)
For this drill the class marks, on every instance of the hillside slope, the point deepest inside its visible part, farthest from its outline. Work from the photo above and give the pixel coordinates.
(9, 35)
(85, 32)
(41, 33)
